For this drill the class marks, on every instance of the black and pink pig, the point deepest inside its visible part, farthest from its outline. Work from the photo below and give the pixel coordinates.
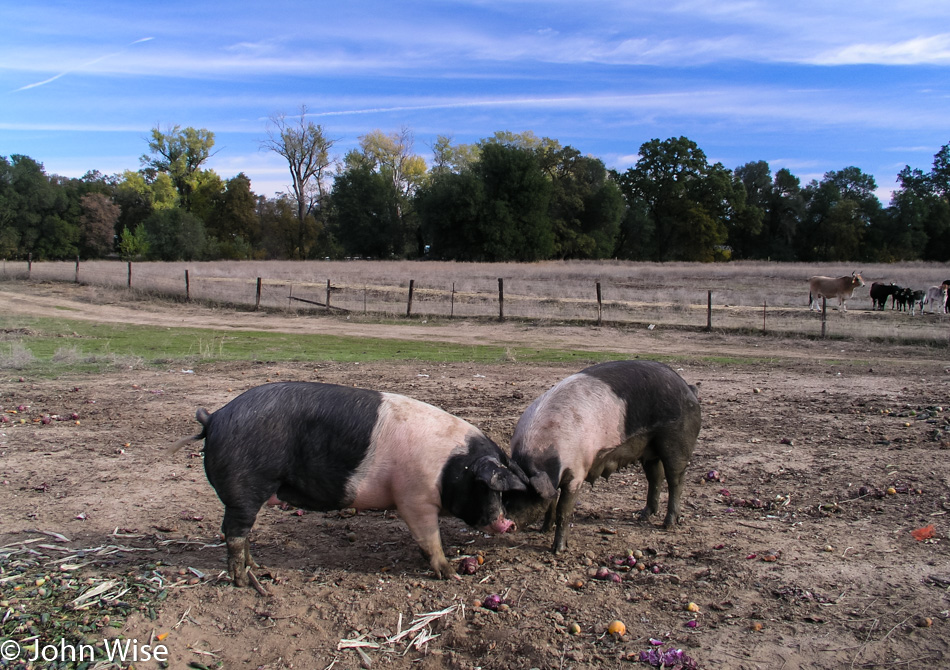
(326, 447)
(595, 422)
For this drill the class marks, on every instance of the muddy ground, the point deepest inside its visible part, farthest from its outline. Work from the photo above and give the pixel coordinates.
(815, 463)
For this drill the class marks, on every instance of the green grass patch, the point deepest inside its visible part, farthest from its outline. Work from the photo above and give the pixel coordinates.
(56, 345)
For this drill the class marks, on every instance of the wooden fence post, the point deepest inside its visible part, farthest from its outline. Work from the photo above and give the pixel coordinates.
(824, 305)
(765, 305)
(77, 268)
(364, 299)
(412, 283)
(29, 265)
(452, 309)
(129, 280)
(187, 287)
(257, 300)
(328, 296)
(709, 310)
(600, 307)
(501, 299)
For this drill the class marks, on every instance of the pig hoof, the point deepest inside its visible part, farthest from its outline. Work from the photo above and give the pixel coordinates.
(444, 570)
(239, 578)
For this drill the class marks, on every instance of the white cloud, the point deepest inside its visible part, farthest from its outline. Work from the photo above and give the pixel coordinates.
(932, 50)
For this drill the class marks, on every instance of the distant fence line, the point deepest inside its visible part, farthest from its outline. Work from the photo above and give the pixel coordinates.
(586, 302)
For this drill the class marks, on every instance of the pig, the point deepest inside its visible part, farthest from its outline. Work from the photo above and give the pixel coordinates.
(595, 422)
(325, 447)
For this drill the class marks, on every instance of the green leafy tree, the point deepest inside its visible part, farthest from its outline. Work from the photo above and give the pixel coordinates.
(450, 209)
(233, 221)
(133, 244)
(179, 153)
(174, 235)
(364, 218)
(206, 194)
(37, 212)
(839, 211)
(749, 238)
(514, 220)
(391, 156)
(586, 205)
(783, 216)
(447, 157)
(917, 224)
(9, 231)
(495, 210)
(686, 201)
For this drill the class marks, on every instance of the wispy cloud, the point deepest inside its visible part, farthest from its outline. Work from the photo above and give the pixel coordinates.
(81, 67)
(932, 50)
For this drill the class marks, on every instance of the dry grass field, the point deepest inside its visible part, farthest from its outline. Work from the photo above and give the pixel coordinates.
(745, 296)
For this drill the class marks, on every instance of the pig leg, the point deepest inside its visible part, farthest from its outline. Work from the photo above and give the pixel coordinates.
(674, 483)
(549, 516)
(564, 514)
(654, 473)
(423, 522)
(235, 526)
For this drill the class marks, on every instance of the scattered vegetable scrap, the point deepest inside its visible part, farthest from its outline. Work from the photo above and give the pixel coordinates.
(469, 565)
(494, 602)
(617, 628)
(924, 533)
(668, 658)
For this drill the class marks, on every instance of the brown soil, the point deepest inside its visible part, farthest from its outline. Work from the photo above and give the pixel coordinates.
(797, 557)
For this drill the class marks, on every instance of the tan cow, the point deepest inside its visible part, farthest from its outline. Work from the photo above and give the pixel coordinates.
(841, 288)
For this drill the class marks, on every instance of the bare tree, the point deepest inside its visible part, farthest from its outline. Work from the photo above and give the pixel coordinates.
(307, 150)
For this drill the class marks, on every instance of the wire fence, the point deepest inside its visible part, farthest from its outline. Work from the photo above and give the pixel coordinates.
(607, 293)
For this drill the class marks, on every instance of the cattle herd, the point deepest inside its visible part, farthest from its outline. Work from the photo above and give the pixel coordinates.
(902, 298)
(325, 447)
(909, 299)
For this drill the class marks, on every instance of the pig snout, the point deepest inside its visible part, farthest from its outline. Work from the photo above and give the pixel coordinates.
(501, 525)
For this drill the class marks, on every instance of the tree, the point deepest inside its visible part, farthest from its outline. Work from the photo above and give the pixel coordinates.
(174, 235)
(496, 210)
(133, 244)
(364, 219)
(586, 205)
(279, 227)
(447, 157)
(233, 221)
(684, 199)
(306, 148)
(749, 239)
(391, 156)
(36, 212)
(839, 211)
(450, 208)
(783, 216)
(179, 154)
(97, 225)
(917, 224)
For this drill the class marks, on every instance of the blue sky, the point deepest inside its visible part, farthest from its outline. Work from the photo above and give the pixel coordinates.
(810, 86)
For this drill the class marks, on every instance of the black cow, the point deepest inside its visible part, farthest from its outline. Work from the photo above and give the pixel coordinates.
(880, 293)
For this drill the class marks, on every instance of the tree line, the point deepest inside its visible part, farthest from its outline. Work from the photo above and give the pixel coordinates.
(509, 197)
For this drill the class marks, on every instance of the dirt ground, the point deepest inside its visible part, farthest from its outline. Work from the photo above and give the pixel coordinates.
(815, 462)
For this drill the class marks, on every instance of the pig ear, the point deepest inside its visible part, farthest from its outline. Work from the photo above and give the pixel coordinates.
(497, 476)
(542, 484)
